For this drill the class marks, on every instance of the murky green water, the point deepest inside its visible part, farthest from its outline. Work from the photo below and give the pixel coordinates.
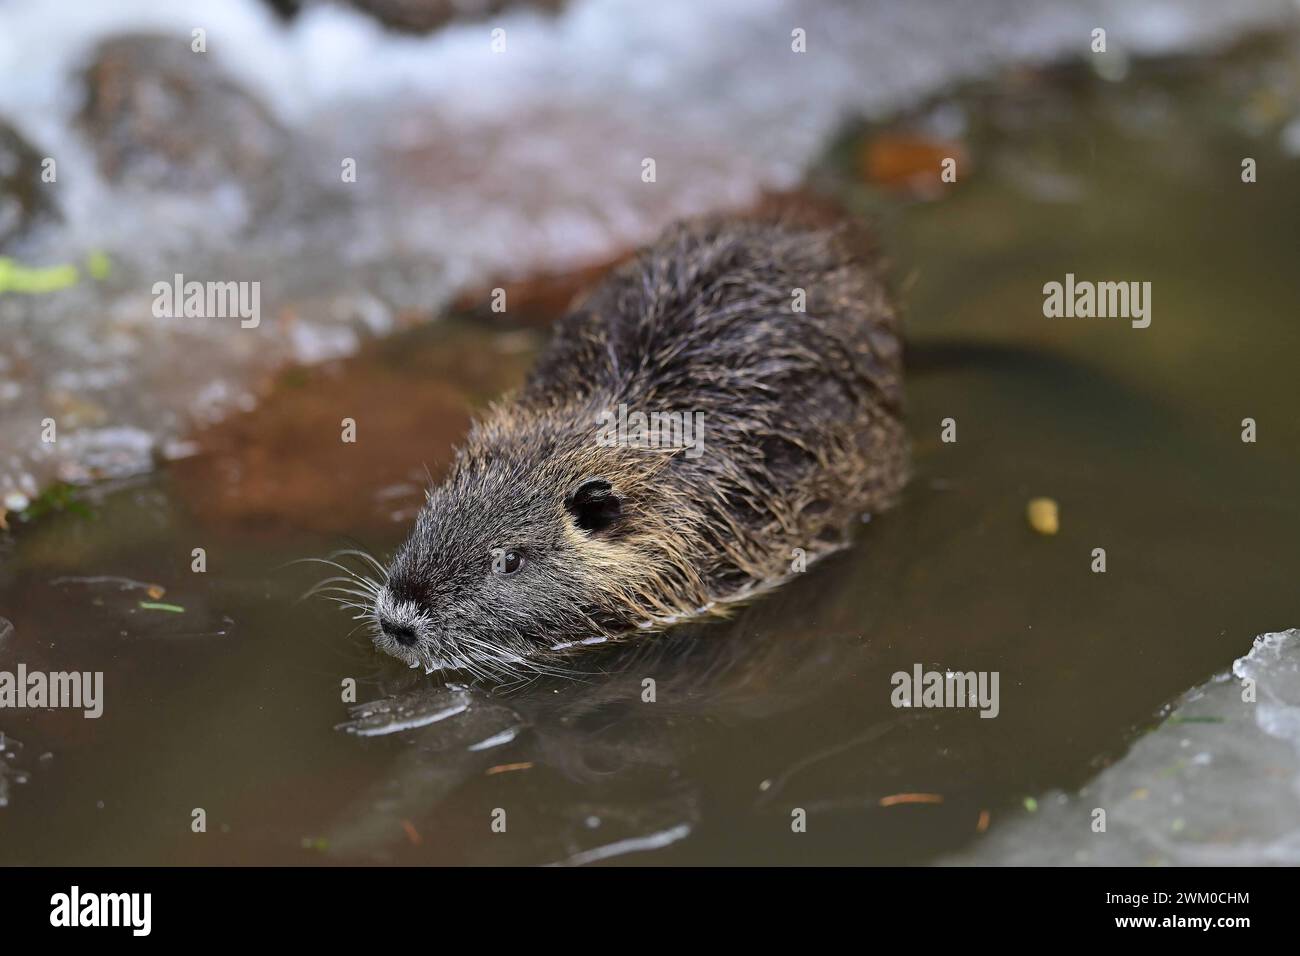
(233, 704)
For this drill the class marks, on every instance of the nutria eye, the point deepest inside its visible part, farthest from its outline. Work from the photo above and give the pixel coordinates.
(508, 562)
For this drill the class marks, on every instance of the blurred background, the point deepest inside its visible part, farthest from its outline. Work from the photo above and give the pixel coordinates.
(378, 167)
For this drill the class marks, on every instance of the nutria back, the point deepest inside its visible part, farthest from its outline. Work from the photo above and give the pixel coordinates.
(721, 408)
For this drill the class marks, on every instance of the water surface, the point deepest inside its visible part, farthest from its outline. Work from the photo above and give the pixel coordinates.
(233, 704)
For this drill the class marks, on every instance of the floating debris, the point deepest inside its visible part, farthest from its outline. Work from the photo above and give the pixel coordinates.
(39, 280)
(154, 591)
(1044, 515)
(155, 606)
(98, 265)
(509, 767)
(412, 833)
(897, 798)
(496, 740)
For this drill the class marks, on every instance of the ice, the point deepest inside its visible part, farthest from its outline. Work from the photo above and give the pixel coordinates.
(10, 774)
(396, 715)
(653, 841)
(1177, 797)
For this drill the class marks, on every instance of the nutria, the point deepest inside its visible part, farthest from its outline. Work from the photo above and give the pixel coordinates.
(778, 351)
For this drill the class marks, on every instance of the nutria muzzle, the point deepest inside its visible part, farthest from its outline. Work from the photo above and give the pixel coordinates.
(403, 634)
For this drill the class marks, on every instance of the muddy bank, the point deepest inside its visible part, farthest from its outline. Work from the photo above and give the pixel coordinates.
(409, 400)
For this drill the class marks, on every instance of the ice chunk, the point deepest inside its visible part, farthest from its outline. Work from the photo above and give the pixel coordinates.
(1217, 783)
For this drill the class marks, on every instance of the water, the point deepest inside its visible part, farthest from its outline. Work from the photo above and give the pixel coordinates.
(234, 704)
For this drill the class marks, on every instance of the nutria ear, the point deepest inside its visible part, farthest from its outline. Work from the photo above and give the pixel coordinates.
(594, 505)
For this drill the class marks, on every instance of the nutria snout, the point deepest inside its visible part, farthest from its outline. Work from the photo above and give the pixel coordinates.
(721, 407)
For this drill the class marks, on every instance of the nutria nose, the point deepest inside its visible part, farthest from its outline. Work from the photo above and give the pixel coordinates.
(401, 633)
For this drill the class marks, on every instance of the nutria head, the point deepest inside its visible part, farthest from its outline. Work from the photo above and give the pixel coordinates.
(539, 538)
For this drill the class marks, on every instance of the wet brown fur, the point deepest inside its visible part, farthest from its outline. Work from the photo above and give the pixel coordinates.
(802, 435)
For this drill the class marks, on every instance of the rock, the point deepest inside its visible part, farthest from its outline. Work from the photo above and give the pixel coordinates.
(424, 16)
(160, 115)
(24, 199)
